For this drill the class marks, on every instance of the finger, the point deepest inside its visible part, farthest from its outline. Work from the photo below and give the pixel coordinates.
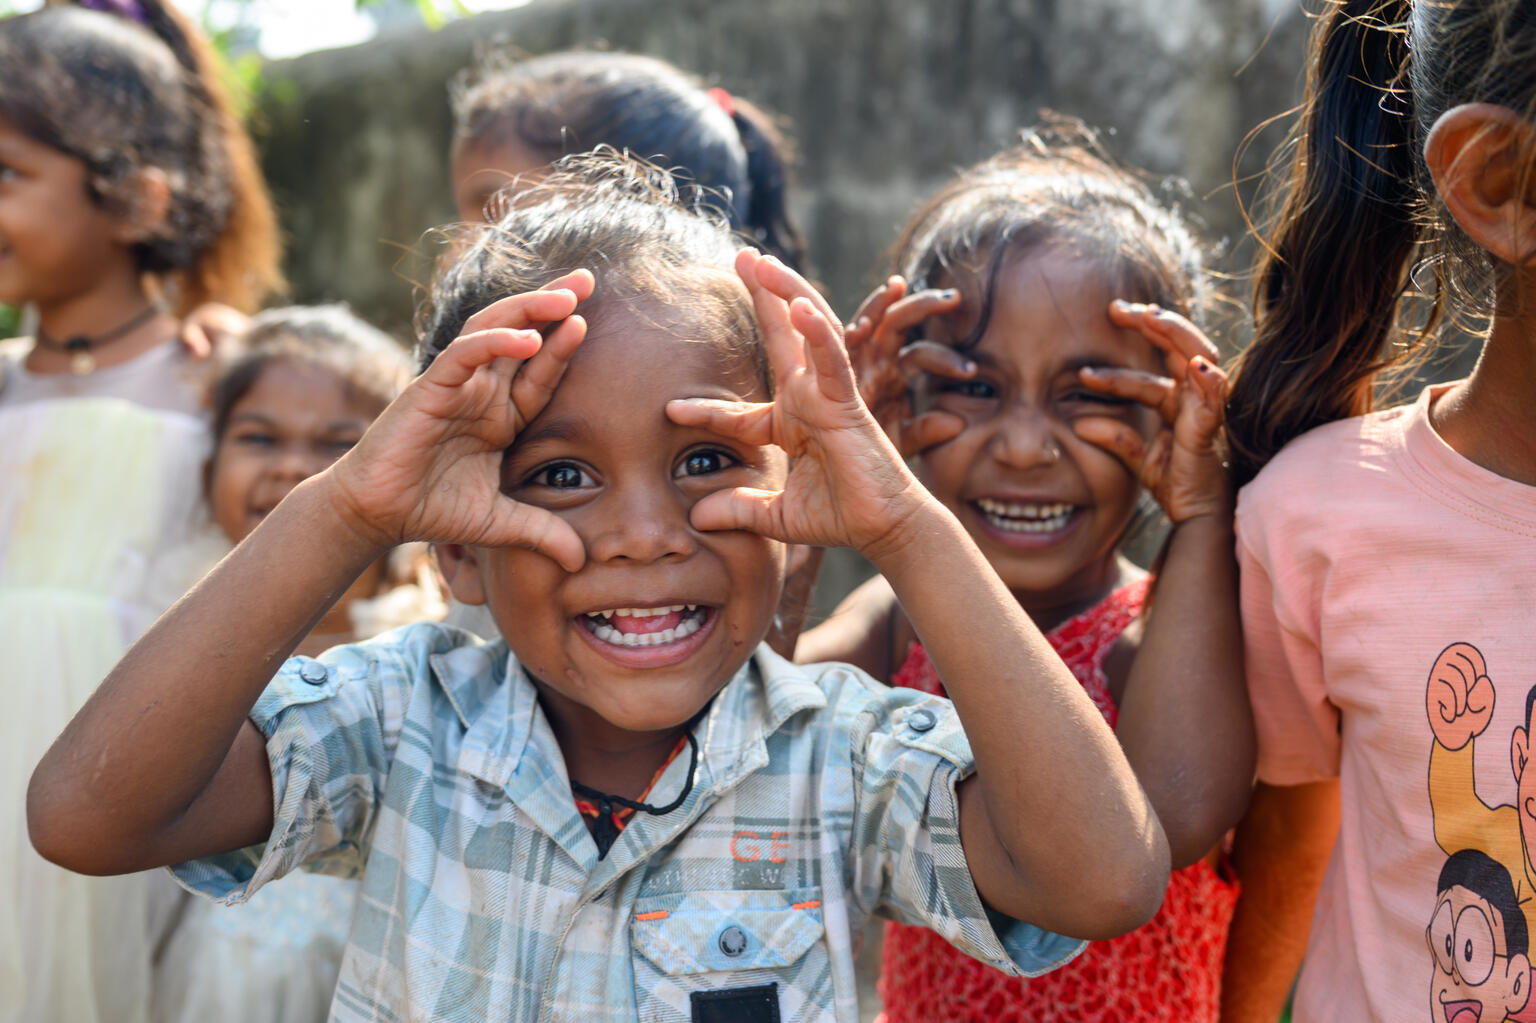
(872, 309)
(554, 301)
(196, 340)
(538, 377)
(778, 278)
(1155, 392)
(740, 508)
(935, 359)
(536, 529)
(748, 422)
(929, 430)
(1116, 437)
(891, 332)
(779, 338)
(469, 352)
(825, 352)
(1165, 328)
(1209, 381)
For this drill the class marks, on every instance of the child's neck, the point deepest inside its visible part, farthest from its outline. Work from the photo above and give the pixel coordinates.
(1049, 611)
(1490, 418)
(602, 756)
(112, 301)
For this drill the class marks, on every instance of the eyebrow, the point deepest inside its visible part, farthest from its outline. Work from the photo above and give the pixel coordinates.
(564, 429)
(262, 419)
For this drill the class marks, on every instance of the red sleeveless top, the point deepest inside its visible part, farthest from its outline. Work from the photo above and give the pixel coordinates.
(1168, 970)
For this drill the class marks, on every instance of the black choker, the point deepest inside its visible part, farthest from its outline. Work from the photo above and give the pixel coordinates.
(604, 831)
(81, 361)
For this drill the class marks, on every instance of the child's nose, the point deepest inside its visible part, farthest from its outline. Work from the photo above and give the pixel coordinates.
(640, 524)
(298, 461)
(1026, 438)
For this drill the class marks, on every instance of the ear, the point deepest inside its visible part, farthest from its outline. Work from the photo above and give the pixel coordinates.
(149, 202)
(460, 571)
(1520, 989)
(1480, 155)
(1519, 751)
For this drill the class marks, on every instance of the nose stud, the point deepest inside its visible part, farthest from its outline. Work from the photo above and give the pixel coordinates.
(1052, 452)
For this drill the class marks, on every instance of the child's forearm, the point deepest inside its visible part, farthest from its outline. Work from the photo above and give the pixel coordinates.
(1057, 802)
(115, 790)
(1185, 723)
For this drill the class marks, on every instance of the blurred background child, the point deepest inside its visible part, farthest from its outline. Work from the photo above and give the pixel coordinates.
(307, 383)
(1387, 556)
(128, 195)
(1055, 393)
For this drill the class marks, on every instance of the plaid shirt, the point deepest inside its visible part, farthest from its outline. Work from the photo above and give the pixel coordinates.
(421, 760)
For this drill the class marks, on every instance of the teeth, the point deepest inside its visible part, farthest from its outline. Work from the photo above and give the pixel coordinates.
(1026, 518)
(686, 628)
(645, 612)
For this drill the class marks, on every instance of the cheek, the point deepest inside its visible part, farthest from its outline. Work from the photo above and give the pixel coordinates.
(229, 483)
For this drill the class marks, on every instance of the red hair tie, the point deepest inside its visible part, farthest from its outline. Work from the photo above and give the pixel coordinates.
(723, 101)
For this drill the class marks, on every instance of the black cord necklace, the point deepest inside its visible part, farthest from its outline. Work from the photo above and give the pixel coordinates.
(81, 361)
(604, 831)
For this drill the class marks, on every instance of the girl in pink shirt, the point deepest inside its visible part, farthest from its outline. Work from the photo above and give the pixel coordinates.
(1389, 558)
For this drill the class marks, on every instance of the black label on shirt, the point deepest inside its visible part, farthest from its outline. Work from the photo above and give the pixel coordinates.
(737, 1005)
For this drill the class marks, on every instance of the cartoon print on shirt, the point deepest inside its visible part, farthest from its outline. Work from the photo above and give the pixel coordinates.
(1484, 910)
(1479, 942)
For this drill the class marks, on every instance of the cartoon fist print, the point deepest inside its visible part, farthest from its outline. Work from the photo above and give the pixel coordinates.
(1459, 696)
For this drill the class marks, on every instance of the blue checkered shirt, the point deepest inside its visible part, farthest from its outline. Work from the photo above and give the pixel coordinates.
(422, 762)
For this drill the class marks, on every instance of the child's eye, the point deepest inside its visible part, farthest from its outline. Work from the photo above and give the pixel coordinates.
(560, 476)
(968, 389)
(702, 463)
(255, 439)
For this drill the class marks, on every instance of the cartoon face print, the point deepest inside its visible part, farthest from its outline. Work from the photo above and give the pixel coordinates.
(1478, 939)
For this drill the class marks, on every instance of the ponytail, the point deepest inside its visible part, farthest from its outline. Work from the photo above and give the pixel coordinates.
(767, 215)
(241, 265)
(1337, 263)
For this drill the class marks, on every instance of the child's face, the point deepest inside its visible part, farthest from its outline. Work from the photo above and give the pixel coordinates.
(481, 169)
(293, 423)
(604, 457)
(1046, 508)
(53, 239)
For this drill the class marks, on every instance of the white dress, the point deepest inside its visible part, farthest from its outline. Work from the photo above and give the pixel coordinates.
(100, 529)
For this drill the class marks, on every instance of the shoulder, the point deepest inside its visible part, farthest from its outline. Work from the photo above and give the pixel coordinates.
(859, 631)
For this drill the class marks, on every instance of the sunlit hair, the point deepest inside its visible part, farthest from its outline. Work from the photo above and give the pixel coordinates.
(653, 253)
(371, 365)
(124, 98)
(1057, 190)
(571, 102)
(1341, 306)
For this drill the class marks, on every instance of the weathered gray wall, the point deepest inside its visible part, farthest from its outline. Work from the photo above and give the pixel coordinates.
(886, 99)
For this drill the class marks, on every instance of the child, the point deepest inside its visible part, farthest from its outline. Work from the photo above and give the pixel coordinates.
(307, 385)
(516, 118)
(122, 206)
(1041, 449)
(621, 505)
(1386, 557)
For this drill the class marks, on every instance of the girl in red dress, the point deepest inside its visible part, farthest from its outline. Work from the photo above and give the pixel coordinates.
(1045, 373)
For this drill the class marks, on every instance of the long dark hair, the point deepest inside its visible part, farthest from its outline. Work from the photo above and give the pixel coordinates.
(719, 145)
(123, 95)
(1338, 305)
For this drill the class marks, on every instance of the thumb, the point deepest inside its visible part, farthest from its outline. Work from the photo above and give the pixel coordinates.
(522, 525)
(756, 511)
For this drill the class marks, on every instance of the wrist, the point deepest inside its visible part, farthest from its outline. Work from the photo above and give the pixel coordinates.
(917, 518)
(331, 507)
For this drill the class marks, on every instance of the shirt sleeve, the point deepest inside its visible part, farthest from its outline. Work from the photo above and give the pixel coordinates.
(909, 754)
(332, 725)
(1296, 724)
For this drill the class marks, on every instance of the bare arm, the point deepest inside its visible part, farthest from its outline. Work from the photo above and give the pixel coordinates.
(161, 765)
(1040, 745)
(1283, 847)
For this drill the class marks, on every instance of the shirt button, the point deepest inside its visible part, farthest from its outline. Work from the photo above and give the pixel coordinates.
(733, 941)
(314, 673)
(921, 720)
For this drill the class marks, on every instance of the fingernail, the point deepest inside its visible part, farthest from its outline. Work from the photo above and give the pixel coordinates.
(968, 366)
(948, 293)
(1121, 303)
(1202, 365)
(1089, 371)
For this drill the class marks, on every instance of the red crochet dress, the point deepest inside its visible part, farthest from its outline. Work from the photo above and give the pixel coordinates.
(1168, 970)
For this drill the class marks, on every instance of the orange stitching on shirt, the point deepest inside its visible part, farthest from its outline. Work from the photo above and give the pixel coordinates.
(659, 914)
(807, 905)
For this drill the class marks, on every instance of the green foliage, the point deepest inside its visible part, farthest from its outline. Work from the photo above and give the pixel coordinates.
(10, 321)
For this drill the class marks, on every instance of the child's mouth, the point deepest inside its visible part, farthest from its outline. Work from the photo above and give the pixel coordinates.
(1025, 517)
(645, 626)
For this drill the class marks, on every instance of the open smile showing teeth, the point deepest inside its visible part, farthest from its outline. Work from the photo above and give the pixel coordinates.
(1020, 517)
(645, 626)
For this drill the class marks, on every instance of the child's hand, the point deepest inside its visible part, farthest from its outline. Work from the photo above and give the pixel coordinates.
(1182, 466)
(430, 467)
(847, 486)
(884, 367)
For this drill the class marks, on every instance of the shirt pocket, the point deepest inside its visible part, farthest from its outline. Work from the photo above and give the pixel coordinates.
(720, 942)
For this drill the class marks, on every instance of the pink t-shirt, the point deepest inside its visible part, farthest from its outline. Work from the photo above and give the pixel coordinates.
(1389, 606)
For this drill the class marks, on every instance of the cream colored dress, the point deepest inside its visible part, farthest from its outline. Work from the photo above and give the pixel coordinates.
(100, 529)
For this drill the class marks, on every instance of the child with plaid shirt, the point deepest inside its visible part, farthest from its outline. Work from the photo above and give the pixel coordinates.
(617, 464)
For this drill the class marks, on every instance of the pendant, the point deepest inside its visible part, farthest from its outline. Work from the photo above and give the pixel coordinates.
(82, 363)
